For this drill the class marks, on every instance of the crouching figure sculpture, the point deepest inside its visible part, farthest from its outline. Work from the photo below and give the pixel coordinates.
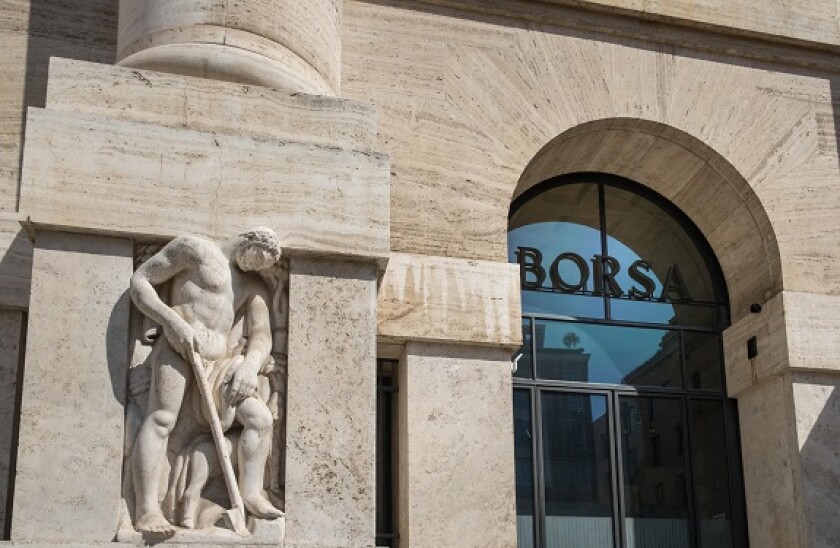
(213, 383)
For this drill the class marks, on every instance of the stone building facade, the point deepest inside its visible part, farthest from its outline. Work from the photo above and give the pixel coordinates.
(387, 143)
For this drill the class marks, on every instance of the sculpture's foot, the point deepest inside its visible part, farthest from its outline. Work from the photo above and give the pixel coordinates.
(188, 523)
(153, 523)
(259, 507)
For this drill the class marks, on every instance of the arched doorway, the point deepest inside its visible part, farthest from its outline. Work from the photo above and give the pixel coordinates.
(624, 434)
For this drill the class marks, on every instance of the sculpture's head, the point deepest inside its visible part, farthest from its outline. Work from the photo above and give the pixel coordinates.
(257, 249)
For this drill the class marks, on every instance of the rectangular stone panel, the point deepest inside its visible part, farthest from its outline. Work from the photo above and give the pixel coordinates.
(138, 179)
(456, 462)
(11, 324)
(331, 428)
(71, 429)
(208, 105)
(426, 298)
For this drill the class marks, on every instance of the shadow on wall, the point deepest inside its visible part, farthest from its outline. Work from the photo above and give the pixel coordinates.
(817, 400)
(74, 29)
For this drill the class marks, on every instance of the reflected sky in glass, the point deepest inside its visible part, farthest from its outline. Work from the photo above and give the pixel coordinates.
(555, 238)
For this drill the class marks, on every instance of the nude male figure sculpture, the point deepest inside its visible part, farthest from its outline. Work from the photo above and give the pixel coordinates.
(211, 289)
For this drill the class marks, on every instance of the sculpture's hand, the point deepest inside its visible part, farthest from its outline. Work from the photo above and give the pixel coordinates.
(182, 339)
(243, 383)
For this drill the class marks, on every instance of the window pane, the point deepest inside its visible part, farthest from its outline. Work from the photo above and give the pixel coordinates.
(553, 239)
(655, 257)
(653, 458)
(607, 354)
(524, 463)
(703, 368)
(711, 480)
(577, 469)
(525, 366)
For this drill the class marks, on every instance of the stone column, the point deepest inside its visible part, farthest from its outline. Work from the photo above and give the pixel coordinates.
(331, 428)
(789, 407)
(70, 448)
(288, 44)
(456, 474)
(458, 322)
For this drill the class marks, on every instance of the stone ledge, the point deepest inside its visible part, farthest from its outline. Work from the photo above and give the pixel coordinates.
(794, 331)
(90, 174)
(443, 299)
(208, 105)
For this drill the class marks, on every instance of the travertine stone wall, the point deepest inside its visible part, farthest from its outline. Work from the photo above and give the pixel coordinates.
(30, 33)
(467, 101)
(442, 299)
(331, 428)
(11, 325)
(69, 465)
(802, 20)
(288, 44)
(772, 470)
(456, 477)
(140, 179)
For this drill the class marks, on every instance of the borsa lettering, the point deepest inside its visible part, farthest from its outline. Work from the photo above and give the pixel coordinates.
(533, 274)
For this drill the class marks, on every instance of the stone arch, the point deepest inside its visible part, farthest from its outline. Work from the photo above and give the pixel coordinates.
(684, 170)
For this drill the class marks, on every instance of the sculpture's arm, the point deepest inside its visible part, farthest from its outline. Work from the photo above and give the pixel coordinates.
(258, 317)
(175, 257)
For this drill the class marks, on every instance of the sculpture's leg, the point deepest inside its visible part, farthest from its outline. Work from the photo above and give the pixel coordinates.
(170, 377)
(254, 446)
(199, 473)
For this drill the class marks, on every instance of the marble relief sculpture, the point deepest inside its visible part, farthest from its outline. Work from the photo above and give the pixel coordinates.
(207, 386)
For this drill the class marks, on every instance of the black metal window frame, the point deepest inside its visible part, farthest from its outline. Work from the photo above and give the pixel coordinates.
(613, 392)
(386, 390)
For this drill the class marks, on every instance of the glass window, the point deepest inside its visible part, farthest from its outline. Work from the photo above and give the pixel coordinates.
(524, 461)
(577, 471)
(525, 366)
(659, 259)
(655, 501)
(711, 480)
(620, 408)
(703, 364)
(610, 354)
(590, 248)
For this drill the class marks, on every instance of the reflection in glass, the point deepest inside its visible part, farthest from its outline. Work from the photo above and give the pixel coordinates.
(607, 354)
(703, 368)
(562, 220)
(708, 455)
(525, 366)
(563, 304)
(653, 457)
(638, 229)
(577, 470)
(524, 463)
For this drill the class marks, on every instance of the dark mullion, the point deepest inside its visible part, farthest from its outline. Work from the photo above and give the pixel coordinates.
(539, 514)
(533, 348)
(693, 529)
(612, 414)
(619, 470)
(602, 218)
(682, 361)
